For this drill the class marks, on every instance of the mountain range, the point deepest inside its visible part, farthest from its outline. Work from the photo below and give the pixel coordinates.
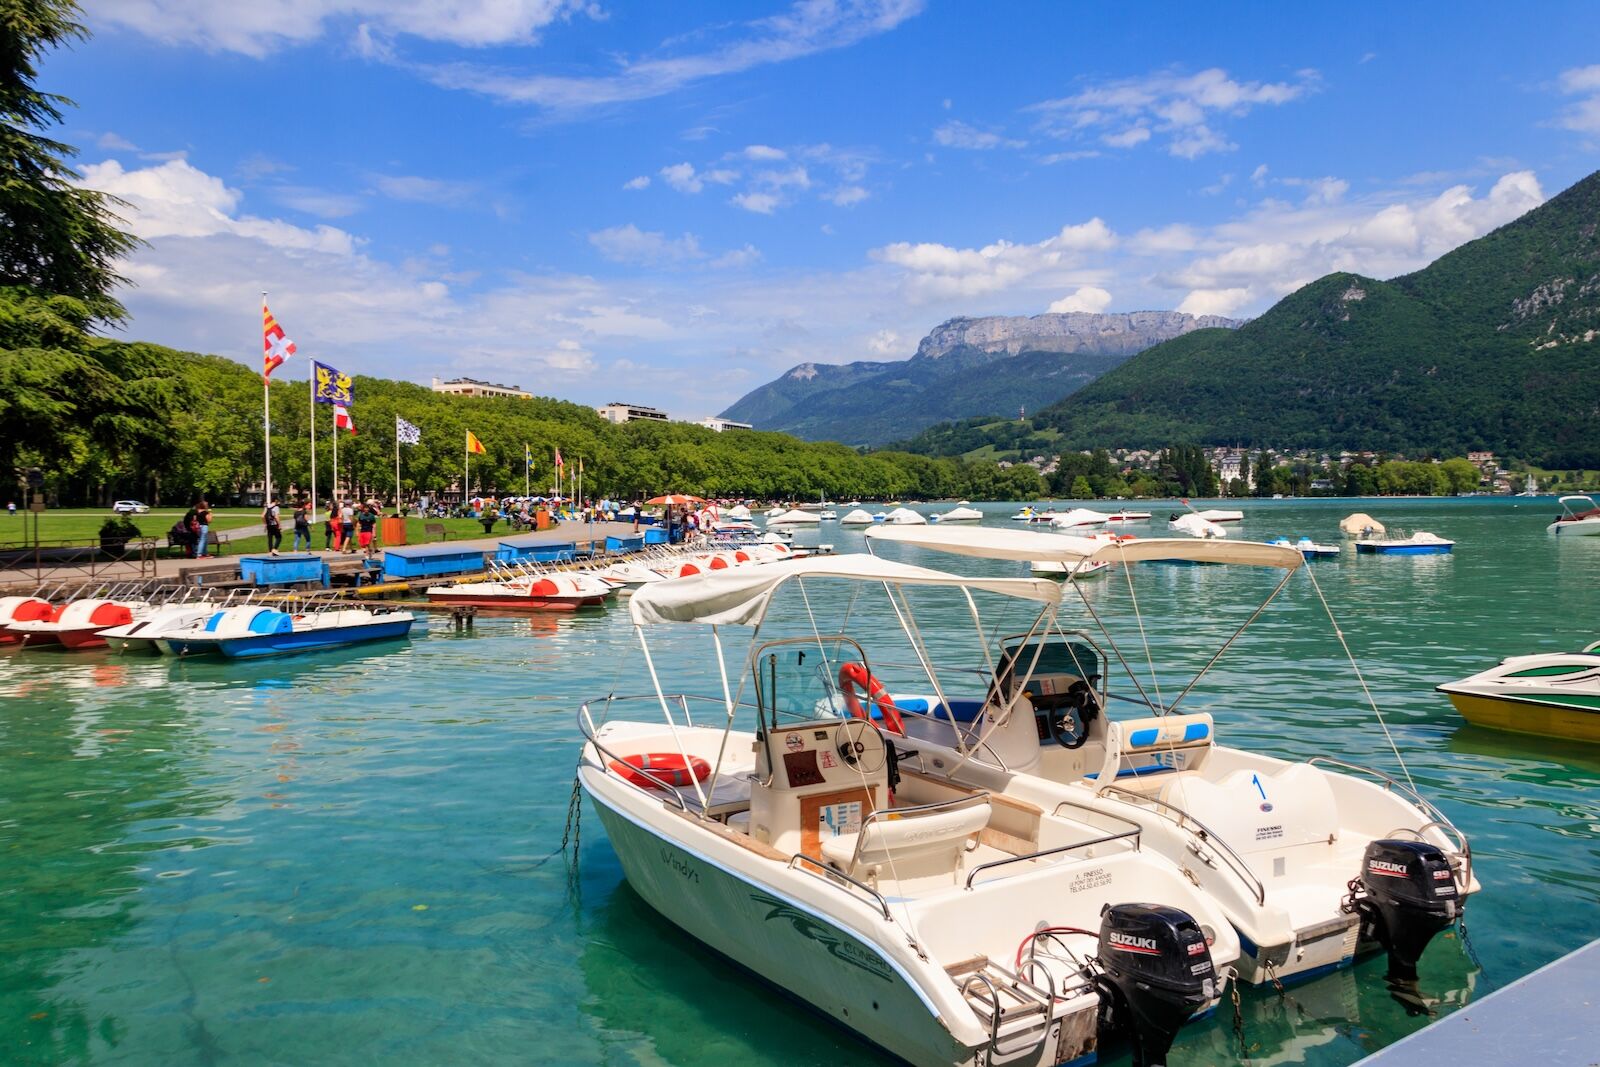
(1495, 345)
(966, 366)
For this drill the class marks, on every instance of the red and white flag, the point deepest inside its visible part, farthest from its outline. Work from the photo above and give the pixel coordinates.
(342, 419)
(559, 464)
(275, 346)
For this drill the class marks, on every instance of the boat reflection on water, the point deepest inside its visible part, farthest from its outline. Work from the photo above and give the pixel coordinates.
(657, 995)
(1338, 1018)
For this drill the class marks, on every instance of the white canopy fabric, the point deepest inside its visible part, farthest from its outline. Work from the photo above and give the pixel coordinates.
(793, 518)
(1028, 546)
(905, 517)
(739, 596)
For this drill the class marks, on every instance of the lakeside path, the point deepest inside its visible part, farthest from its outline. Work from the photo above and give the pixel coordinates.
(580, 533)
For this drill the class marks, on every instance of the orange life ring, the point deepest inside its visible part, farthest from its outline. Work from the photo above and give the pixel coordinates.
(854, 676)
(667, 767)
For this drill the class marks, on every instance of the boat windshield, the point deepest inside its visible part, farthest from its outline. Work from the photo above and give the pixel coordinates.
(797, 679)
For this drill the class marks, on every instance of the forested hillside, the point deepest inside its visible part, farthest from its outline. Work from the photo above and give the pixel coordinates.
(1494, 346)
(109, 418)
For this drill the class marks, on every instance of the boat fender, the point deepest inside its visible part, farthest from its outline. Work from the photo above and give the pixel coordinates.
(668, 767)
(855, 676)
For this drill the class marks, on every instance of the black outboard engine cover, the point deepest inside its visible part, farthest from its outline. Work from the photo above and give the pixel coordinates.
(1155, 972)
(1410, 895)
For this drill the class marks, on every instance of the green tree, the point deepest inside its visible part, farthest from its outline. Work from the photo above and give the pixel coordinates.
(1081, 489)
(1461, 475)
(55, 237)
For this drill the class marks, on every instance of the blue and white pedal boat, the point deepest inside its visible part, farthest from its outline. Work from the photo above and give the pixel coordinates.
(1420, 543)
(254, 630)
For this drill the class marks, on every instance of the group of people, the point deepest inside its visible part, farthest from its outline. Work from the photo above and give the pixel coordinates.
(192, 532)
(350, 524)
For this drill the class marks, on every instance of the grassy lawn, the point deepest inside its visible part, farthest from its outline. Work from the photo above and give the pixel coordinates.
(80, 524)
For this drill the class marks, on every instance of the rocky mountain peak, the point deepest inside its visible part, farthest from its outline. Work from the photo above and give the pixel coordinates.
(1064, 332)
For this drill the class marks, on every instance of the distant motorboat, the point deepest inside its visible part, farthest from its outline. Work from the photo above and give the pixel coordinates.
(1421, 543)
(1126, 516)
(856, 518)
(1026, 514)
(1050, 568)
(960, 514)
(1581, 521)
(1075, 518)
(904, 517)
(827, 514)
(738, 513)
(1307, 547)
(1196, 526)
(1221, 515)
(796, 517)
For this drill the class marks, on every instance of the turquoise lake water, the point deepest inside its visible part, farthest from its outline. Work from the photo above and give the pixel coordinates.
(335, 858)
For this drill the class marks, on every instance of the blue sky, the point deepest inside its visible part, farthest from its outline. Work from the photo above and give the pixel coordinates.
(673, 203)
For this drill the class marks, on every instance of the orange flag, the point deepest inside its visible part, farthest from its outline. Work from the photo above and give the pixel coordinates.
(474, 445)
(275, 346)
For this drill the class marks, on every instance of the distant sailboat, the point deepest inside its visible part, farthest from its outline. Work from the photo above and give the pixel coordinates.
(1529, 487)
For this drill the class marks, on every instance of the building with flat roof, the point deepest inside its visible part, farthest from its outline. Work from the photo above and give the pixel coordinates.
(618, 412)
(718, 423)
(473, 387)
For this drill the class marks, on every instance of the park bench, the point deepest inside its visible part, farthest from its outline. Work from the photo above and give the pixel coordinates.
(435, 531)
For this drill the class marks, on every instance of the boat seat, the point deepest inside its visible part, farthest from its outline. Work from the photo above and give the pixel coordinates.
(1258, 812)
(924, 845)
(959, 710)
(1139, 747)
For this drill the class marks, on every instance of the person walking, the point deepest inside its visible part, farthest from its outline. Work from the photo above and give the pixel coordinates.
(302, 526)
(202, 512)
(330, 528)
(270, 519)
(347, 526)
(366, 523)
(11, 507)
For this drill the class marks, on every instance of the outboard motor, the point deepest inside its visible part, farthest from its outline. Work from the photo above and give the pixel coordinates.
(1406, 894)
(1155, 972)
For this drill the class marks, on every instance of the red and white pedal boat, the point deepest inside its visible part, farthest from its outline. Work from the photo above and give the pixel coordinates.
(77, 625)
(551, 592)
(15, 609)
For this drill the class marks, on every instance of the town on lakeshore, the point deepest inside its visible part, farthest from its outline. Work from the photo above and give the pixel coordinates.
(750, 538)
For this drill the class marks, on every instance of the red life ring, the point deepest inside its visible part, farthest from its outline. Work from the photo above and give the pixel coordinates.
(854, 676)
(668, 767)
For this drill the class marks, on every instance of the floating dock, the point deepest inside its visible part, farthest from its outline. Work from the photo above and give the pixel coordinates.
(1550, 1018)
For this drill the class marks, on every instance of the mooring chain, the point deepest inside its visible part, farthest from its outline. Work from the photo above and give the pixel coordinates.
(569, 834)
(1238, 1017)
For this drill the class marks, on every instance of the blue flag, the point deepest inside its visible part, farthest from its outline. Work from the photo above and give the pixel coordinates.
(330, 386)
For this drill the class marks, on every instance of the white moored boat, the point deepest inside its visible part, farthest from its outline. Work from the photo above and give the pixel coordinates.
(1126, 516)
(1579, 515)
(1196, 526)
(1077, 518)
(796, 517)
(960, 514)
(1278, 844)
(856, 518)
(951, 926)
(1221, 515)
(904, 517)
(1551, 694)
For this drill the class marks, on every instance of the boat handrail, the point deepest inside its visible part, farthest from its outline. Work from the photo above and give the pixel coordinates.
(837, 876)
(980, 868)
(1235, 861)
(1465, 850)
(1099, 812)
(1438, 818)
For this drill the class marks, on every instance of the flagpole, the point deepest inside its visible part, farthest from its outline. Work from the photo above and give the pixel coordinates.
(266, 420)
(311, 388)
(397, 464)
(335, 459)
(527, 470)
(466, 468)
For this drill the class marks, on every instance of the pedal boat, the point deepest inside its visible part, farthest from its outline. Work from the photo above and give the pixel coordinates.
(254, 631)
(1551, 695)
(533, 593)
(77, 624)
(15, 609)
(1276, 843)
(946, 924)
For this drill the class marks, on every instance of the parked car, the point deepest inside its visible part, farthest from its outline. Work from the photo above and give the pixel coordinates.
(129, 507)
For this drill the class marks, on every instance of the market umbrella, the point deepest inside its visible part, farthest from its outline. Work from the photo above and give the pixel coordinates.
(673, 499)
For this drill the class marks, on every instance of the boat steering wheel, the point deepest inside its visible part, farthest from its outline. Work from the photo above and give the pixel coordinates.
(860, 744)
(1069, 721)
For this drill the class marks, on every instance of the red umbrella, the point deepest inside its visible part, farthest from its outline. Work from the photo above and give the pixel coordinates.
(673, 499)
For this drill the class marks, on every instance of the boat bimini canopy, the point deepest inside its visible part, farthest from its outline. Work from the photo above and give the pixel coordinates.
(1027, 546)
(740, 596)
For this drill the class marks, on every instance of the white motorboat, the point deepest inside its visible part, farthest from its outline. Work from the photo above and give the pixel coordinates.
(960, 514)
(827, 514)
(904, 517)
(796, 517)
(1196, 526)
(1077, 518)
(1125, 516)
(1307, 547)
(737, 513)
(857, 517)
(951, 926)
(1580, 516)
(1054, 568)
(1278, 844)
(1221, 515)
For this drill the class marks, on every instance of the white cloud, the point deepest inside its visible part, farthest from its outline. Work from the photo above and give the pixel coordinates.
(760, 203)
(958, 134)
(1184, 108)
(781, 179)
(748, 256)
(848, 196)
(629, 244)
(641, 182)
(1214, 301)
(318, 202)
(681, 176)
(111, 142)
(936, 271)
(1259, 175)
(1582, 116)
(884, 343)
(764, 153)
(263, 26)
(414, 189)
(1090, 298)
(808, 27)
